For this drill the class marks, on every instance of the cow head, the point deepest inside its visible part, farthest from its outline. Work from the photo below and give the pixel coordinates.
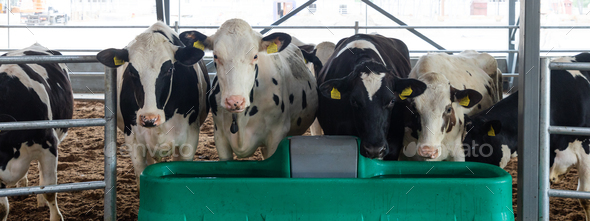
(440, 108)
(481, 139)
(151, 60)
(372, 90)
(236, 50)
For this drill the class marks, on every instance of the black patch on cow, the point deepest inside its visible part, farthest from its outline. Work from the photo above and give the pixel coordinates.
(163, 84)
(252, 95)
(35, 53)
(586, 146)
(469, 74)
(256, 82)
(275, 98)
(253, 111)
(215, 126)
(282, 107)
(212, 100)
(489, 89)
(246, 111)
(256, 70)
(479, 106)
(303, 100)
(130, 98)
(184, 96)
(291, 97)
(299, 121)
(309, 84)
(274, 81)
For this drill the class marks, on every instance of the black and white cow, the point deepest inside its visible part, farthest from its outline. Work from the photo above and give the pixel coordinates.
(161, 89)
(465, 83)
(570, 106)
(31, 92)
(315, 56)
(361, 83)
(262, 92)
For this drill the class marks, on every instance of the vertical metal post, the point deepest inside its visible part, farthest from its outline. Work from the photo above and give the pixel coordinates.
(176, 26)
(110, 144)
(8, 12)
(356, 27)
(528, 111)
(545, 122)
(288, 15)
(511, 12)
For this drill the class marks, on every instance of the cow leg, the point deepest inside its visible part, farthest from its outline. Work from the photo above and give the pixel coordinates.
(48, 176)
(223, 148)
(270, 148)
(4, 208)
(138, 158)
(186, 151)
(40, 199)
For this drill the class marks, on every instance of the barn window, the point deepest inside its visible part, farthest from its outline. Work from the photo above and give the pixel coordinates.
(312, 8)
(342, 9)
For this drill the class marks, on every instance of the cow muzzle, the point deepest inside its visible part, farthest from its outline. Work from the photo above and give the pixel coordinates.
(235, 103)
(428, 152)
(149, 120)
(373, 152)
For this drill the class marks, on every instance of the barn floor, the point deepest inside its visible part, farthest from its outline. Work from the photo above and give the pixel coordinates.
(81, 159)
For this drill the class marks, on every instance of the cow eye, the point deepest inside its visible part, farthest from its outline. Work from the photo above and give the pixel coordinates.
(215, 56)
(449, 110)
(171, 70)
(255, 57)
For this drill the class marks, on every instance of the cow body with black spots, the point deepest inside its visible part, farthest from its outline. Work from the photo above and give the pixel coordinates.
(460, 84)
(33, 92)
(161, 92)
(364, 90)
(262, 92)
(570, 107)
(315, 56)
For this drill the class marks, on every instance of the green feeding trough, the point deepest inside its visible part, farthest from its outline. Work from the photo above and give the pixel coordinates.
(324, 178)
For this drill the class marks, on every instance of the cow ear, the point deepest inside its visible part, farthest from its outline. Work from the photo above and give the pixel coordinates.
(334, 89)
(188, 56)
(275, 42)
(113, 57)
(466, 98)
(196, 40)
(308, 56)
(408, 88)
(492, 127)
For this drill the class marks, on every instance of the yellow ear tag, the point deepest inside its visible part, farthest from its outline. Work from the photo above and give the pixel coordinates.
(118, 61)
(272, 48)
(198, 45)
(405, 93)
(305, 60)
(335, 94)
(491, 132)
(464, 101)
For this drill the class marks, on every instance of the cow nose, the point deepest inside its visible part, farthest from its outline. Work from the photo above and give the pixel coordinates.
(149, 120)
(235, 103)
(428, 152)
(375, 151)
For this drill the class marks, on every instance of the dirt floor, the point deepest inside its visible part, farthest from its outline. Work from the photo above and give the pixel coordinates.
(81, 159)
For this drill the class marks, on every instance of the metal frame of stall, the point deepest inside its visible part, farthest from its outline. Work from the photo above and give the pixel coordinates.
(110, 140)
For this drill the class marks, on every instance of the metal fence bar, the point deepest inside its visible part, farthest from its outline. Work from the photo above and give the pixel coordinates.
(569, 194)
(396, 20)
(301, 27)
(544, 123)
(581, 66)
(64, 187)
(110, 144)
(44, 124)
(42, 59)
(288, 15)
(579, 131)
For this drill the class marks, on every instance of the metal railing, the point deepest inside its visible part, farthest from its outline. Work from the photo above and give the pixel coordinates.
(546, 129)
(110, 137)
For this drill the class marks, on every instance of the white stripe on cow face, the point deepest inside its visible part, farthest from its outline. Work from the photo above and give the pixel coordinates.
(372, 82)
(361, 44)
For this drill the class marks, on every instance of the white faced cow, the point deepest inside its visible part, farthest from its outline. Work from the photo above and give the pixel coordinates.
(457, 84)
(161, 95)
(262, 93)
(315, 56)
(32, 92)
